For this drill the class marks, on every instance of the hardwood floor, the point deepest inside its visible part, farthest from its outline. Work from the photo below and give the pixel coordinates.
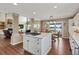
(60, 47)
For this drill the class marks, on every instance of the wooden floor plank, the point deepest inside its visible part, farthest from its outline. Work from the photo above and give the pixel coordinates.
(59, 47)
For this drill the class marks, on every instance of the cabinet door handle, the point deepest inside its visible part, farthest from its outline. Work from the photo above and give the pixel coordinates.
(37, 43)
(72, 42)
(27, 40)
(76, 48)
(37, 50)
(37, 39)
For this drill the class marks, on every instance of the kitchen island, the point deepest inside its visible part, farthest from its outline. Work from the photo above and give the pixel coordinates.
(37, 44)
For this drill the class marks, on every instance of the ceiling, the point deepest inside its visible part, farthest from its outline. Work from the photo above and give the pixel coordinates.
(41, 10)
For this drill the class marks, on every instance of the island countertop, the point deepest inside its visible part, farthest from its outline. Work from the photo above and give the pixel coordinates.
(42, 35)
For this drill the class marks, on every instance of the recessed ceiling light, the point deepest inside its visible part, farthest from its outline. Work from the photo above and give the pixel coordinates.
(55, 6)
(15, 4)
(34, 12)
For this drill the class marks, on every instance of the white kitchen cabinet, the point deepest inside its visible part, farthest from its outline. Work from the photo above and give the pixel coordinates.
(74, 46)
(29, 43)
(34, 45)
(38, 45)
(73, 36)
(76, 49)
(71, 43)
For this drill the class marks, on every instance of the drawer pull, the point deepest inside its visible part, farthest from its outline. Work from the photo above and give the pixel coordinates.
(27, 40)
(37, 43)
(37, 39)
(37, 50)
(72, 42)
(76, 48)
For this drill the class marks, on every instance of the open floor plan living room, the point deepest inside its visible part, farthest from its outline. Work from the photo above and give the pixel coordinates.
(39, 29)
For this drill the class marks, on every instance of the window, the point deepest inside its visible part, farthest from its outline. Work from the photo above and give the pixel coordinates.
(55, 26)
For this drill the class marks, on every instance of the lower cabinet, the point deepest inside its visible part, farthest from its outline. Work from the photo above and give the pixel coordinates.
(32, 45)
(74, 46)
(76, 49)
(37, 46)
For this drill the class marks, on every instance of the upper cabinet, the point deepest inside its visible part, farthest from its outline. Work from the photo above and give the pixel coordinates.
(76, 20)
(74, 24)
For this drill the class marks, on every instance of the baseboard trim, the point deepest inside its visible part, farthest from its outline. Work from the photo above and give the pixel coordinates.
(16, 43)
(25, 51)
(65, 37)
(49, 50)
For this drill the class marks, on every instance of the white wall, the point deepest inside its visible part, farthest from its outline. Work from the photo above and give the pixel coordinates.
(65, 28)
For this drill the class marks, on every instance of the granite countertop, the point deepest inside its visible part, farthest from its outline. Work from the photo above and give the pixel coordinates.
(42, 35)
